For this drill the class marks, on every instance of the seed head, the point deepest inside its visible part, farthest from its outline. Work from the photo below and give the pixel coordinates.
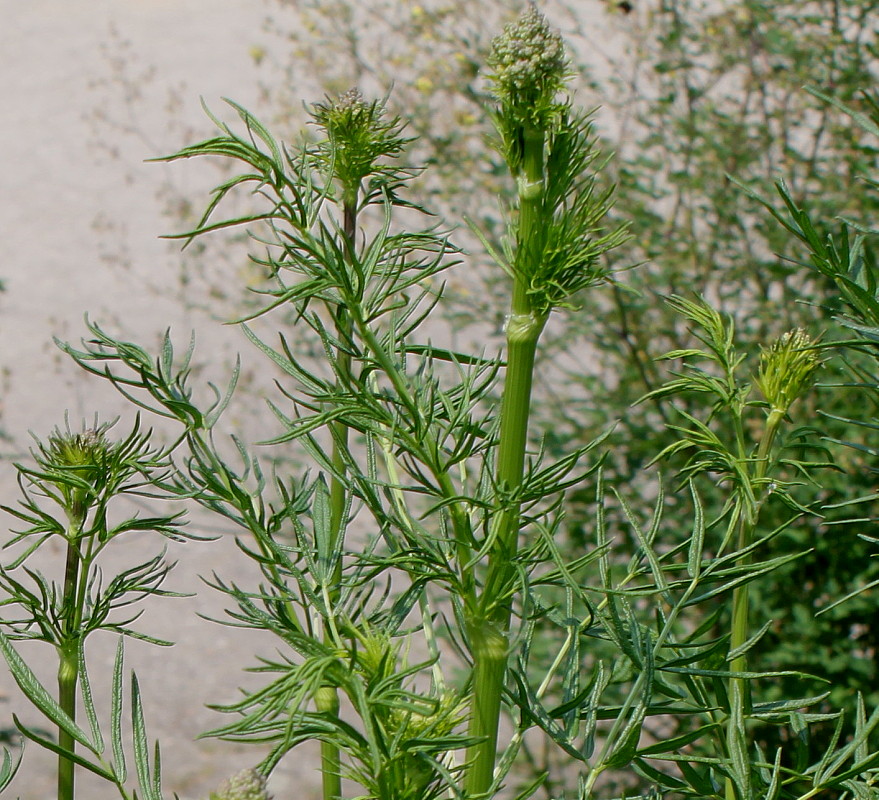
(787, 369)
(245, 785)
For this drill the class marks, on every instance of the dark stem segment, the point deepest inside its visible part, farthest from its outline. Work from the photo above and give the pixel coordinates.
(488, 628)
(68, 668)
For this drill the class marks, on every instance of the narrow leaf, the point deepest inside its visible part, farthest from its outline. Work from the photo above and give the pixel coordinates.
(697, 539)
(861, 119)
(9, 768)
(39, 695)
(746, 646)
(141, 745)
(116, 714)
(54, 747)
(89, 703)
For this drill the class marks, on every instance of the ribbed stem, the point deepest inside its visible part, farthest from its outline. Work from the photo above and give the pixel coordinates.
(490, 621)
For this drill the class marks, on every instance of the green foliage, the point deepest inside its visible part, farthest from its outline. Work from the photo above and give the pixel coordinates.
(850, 265)
(694, 92)
(422, 411)
(414, 574)
(719, 94)
(83, 475)
(62, 715)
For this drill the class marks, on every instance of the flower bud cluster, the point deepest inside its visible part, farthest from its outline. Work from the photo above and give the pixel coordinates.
(245, 785)
(358, 134)
(349, 103)
(78, 461)
(76, 449)
(528, 62)
(787, 369)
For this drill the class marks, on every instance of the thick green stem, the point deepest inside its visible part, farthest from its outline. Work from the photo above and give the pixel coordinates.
(68, 675)
(326, 701)
(488, 628)
(489, 646)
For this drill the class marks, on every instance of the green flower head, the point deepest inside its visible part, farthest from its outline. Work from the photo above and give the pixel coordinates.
(245, 785)
(787, 369)
(529, 67)
(358, 134)
(78, 464)
(84, 449)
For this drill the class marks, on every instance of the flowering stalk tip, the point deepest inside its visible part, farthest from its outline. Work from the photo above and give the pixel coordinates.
(79, 463)
(787, 369)
(358, 134)
(529, 67)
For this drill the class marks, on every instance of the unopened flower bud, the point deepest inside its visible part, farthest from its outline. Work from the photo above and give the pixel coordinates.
(245, 785)
(349, 102)
(358, 134)
(76, 449)
(528, 60)
(787, 369)
(82, 457)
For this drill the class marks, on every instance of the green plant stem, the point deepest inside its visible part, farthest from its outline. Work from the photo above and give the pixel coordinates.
(327, 698)
(344, 329)
(489, 646)
(739, 693)
(426, 449)
(489, 626)
(68, 665)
